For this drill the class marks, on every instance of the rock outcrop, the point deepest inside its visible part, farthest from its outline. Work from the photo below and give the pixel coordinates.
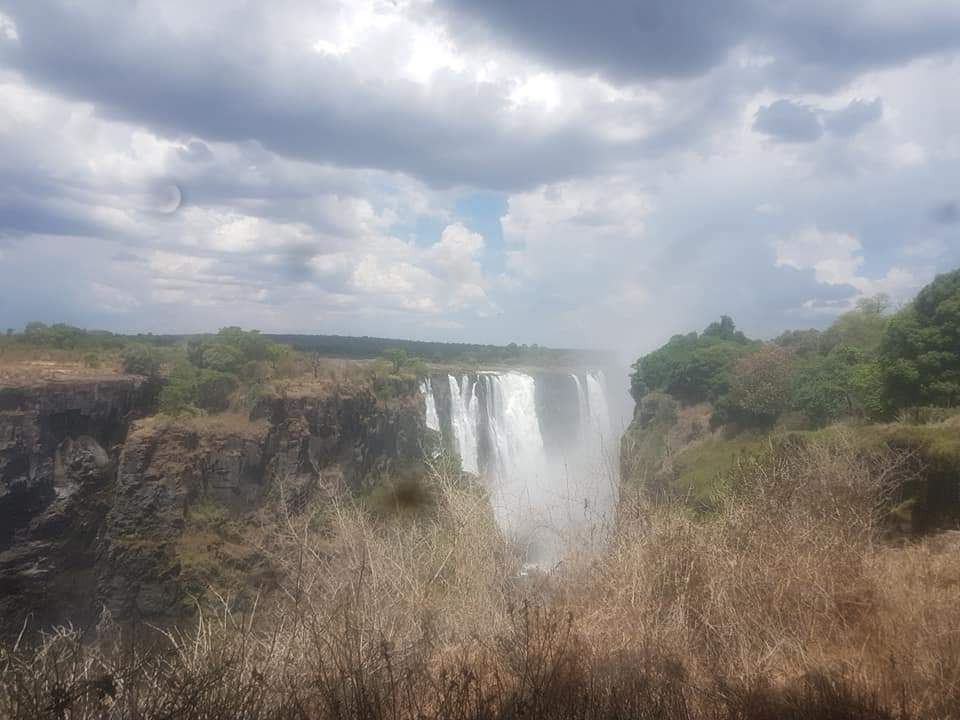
(166, 468)
(99, 509)
(353, 441)
(58, 443)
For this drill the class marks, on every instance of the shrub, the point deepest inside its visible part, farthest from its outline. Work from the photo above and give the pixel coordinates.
(223, 358)
(141, 360)
(760, 384)
(657, 408)
(191, 390)
(844, 383)
(213, 389)
(178, 395)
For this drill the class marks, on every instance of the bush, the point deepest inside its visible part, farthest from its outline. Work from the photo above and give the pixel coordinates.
(760, 385)
(657, 408)
(191, 390)
(223, 358)
(177, 399)
(844, 383)
(213, 390)
(141, 360)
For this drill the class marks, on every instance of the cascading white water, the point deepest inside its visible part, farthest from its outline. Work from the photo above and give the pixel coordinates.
(430, 403)
(583, 404)
(601, 450)
(517, 444)
(464, 419)
(543, 500)
(600, 423)
(517, 470)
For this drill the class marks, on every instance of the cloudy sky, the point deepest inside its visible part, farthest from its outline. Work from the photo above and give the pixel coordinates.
(561, 172)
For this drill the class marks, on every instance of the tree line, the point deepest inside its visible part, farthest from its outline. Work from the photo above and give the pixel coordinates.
(869, 364)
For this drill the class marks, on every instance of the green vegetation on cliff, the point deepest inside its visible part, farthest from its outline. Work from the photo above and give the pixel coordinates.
(868, 365)
(692, 367)
(867, 370)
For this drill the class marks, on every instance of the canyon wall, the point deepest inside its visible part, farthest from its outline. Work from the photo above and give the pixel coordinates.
(96, 495)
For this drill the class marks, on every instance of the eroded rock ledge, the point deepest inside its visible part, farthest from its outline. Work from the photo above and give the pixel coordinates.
(96, 497)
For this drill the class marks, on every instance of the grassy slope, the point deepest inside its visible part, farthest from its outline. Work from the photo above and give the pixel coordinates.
(696, 466)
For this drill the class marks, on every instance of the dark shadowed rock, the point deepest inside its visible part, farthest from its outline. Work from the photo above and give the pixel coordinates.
(56, 469)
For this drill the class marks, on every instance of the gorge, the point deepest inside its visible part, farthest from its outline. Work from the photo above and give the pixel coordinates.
(105, 505)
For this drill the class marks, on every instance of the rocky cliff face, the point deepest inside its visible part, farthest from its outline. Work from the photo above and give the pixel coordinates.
(58, 443)
(95, 506)
(349, 441)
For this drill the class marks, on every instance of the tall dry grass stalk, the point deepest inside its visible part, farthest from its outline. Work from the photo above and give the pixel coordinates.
(782, 604)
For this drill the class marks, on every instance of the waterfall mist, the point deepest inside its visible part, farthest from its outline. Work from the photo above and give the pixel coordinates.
(545, 445)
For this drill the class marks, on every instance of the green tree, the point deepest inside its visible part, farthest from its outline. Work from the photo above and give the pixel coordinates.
(397, 358)
(223, 357)
(862, 328)
(691, 367)
(213, 390)
(802, 343)
(920, 350)
(35, 331)
(846, 382)
(725, 329)
(192, 390)
(141, 360)
(253, 346)
(178, 396)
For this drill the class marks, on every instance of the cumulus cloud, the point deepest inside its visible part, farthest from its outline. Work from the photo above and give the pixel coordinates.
(317, 166)
(836, 258)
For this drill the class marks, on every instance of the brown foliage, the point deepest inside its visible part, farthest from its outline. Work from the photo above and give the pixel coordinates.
(760, 382)
(783, 604)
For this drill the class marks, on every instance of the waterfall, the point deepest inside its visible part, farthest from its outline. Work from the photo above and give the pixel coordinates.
(517, 444)
(465, 418)
(433, 421)
(584, 405)
(600, 421)
(543, 498)
(517, 471)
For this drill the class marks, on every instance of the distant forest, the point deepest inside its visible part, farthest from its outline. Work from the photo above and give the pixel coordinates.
(68, 337)
(371, 347)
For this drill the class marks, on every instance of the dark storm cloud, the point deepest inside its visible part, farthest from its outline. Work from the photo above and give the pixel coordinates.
(218, 85)
(623, 39)
(810, 44)
(787, 121)
(114, 103)
(853, 118)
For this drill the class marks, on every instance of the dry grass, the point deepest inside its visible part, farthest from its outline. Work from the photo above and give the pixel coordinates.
(783, 604)
(310, 376)
(220, 424)
(22, 368)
